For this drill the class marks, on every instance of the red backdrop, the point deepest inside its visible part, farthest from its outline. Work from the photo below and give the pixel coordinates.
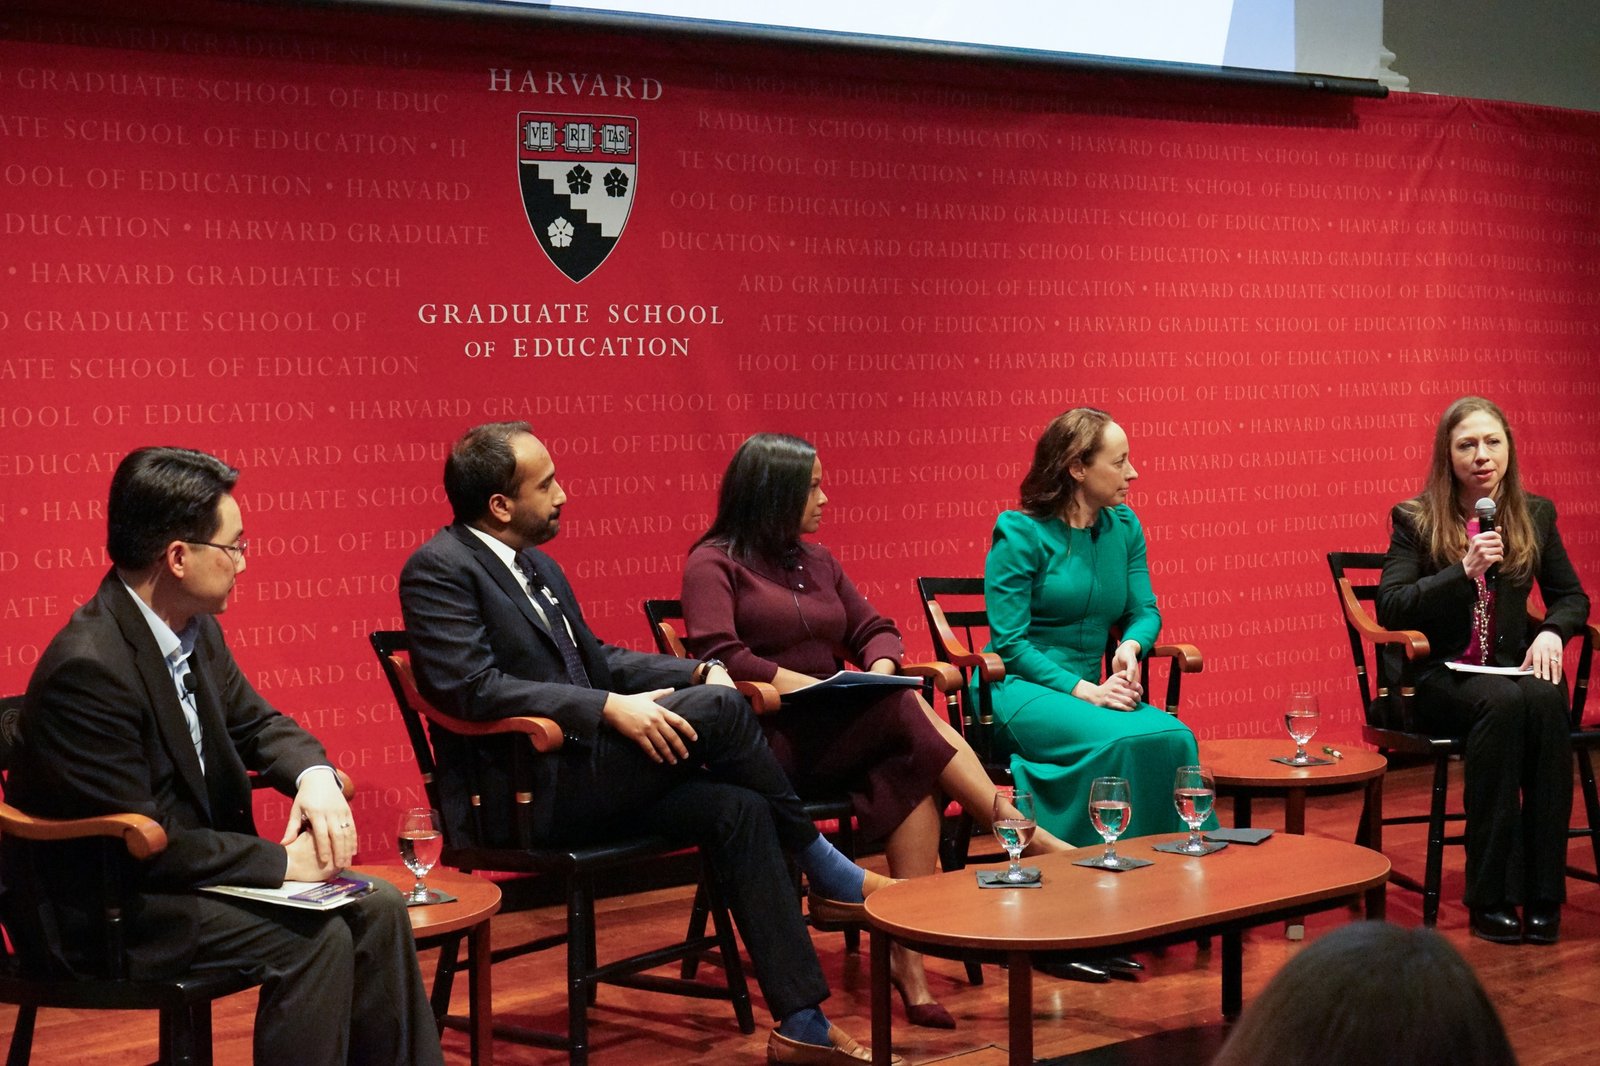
(304, 245)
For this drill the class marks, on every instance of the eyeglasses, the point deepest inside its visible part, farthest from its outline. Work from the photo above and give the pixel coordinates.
(235, 551)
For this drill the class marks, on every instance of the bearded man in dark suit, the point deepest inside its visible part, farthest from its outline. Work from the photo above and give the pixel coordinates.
(137, 705)
(653, 742)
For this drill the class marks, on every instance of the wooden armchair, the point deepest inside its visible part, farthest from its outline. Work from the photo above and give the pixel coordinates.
(578, 867)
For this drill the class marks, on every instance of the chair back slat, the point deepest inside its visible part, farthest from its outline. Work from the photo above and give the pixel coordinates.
(958, 621)
(666, 626)
(1386, 700)
(393, 649)
(1355, 594)
(958, 625)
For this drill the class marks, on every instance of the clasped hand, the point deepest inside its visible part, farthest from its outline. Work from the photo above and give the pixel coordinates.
(1483, 551)
(321, 835)
(1117, 693)
(663, 734)
(1121, 691)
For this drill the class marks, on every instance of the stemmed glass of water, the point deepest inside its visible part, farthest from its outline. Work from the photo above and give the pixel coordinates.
(1194, 792)
(1301, 720)
(1013, 824)
(421, 842)
(1110, 808)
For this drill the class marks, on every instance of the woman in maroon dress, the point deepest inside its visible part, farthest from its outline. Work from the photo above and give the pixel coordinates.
(778, 609)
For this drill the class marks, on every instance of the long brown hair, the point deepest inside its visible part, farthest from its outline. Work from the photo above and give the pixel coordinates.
(1071, 437)
(1437, 513)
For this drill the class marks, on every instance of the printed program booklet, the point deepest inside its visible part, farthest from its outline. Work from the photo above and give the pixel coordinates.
(860, 686)
(310, 895)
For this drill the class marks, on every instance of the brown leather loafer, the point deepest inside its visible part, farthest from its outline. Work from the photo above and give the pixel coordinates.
(841, 1051)
(832, 913)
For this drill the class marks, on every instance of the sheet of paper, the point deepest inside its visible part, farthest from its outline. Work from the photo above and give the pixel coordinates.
(1506, 671)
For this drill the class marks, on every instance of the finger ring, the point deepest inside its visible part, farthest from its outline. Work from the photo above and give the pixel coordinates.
(344, 825)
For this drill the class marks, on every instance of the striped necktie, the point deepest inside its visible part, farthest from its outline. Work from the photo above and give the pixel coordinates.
(557, 620)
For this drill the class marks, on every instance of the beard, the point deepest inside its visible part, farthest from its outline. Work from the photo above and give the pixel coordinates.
(543, 531)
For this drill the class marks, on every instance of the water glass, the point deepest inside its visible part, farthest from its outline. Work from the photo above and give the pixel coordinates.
(1110, 808)
(1301, 720)
(1194, 792)
(1013, 823)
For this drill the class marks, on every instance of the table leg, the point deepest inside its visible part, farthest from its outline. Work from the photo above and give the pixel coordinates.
(1232, 974)
(480, 998)
(1294, 812)
(1241, 810)
(1294, 821)
(1371, 836)
(1020, 972)
(881, 1050)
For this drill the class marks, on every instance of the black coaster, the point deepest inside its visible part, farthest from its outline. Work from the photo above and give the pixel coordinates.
(996, 879)
(1288, 760)
(1176, 847)
(1250, 836)
(1124, 864)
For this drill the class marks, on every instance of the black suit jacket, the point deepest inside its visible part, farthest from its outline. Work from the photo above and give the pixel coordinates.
(102, 731)
(480, 652)
(1415, 593)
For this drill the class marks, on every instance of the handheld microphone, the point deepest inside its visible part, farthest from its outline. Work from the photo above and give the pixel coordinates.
(1486, 515)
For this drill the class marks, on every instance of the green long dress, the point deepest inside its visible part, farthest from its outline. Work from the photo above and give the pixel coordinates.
(1054, 593)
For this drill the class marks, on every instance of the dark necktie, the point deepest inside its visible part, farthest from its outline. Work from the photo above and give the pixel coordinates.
(557, 620)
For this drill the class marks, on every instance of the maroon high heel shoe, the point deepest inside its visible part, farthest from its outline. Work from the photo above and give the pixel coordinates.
(928, 1015)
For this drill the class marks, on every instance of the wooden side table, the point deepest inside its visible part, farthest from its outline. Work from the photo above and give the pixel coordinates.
(477, 900)
(1244, 770)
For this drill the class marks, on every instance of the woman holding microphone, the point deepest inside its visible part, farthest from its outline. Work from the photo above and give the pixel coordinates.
(1466, 587)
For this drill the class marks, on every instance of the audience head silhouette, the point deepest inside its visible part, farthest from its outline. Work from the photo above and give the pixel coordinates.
(1370, 992)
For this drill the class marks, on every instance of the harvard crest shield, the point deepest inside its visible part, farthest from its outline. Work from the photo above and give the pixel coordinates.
(578, 175)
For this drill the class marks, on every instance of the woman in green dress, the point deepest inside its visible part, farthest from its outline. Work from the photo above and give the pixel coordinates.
(1063, 572)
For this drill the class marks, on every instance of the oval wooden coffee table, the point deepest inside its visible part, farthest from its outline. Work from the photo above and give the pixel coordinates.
(1084, 913)
(477, 900)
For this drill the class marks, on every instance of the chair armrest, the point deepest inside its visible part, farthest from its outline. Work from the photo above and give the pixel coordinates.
(142, 836)
(1415, 643)
(763, 697)
(990, 667)
(986, 664)
(1185, 657)
(945, 678)
(543, 733)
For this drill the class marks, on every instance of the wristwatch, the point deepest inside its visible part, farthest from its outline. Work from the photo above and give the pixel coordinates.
(703, 671)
